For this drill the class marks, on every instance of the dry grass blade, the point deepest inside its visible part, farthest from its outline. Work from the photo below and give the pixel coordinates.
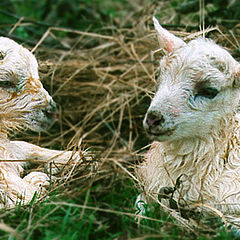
(6, 228)
(100, 209)
(103, 84)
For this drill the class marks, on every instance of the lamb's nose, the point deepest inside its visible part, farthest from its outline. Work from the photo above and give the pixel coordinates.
(51, 109)
(154, 119)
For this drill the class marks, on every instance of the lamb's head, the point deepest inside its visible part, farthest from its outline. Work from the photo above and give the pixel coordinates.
(23, 100)
(198, 89)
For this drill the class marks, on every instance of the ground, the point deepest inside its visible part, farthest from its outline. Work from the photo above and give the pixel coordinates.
(98, 60)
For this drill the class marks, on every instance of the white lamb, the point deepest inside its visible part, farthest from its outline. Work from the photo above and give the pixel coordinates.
(195, 121)
(24, 103)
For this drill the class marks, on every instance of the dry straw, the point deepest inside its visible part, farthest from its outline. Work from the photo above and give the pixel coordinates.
(103, 83)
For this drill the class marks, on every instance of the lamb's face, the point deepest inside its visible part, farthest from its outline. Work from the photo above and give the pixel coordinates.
(23, 100)
(197, 88)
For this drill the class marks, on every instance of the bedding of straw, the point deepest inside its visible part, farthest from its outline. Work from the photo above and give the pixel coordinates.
(103, 82)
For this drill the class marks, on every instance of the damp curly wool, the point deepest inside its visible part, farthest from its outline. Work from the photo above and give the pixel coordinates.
(24, 103)
(195, 123)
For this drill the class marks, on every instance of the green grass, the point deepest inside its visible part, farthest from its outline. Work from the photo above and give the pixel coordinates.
(109, 203)
(108, 214)
(107, 217)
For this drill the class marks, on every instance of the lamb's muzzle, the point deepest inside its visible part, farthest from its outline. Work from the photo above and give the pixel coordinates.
(51, 110)
(153, 119)
(154, 124)
(49, 117)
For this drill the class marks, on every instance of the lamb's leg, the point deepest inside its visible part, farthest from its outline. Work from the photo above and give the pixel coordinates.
(28, 151)
(23, 189)
(38, 179)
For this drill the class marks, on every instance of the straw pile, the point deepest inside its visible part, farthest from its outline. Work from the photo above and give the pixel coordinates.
(103, 83)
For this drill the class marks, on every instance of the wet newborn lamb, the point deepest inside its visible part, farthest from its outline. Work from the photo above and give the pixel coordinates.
(195, 121)
(24, 103)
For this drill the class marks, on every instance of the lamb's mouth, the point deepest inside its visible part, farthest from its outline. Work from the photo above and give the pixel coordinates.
(39, 121)
(166, 133)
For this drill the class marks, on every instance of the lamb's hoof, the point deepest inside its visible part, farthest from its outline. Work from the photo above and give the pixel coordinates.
(37, 179)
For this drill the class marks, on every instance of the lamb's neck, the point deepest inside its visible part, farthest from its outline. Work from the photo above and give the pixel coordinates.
(196, 152)
(193, 149)
(197, 162)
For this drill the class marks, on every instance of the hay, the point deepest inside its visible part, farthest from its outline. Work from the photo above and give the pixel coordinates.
(103, 83)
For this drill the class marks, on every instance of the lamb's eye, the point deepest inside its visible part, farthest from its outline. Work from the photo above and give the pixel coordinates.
(2, 55)
(7, 84)
(208, 92)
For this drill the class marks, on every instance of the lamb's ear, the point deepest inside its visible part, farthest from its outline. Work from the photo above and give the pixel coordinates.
(167, 40)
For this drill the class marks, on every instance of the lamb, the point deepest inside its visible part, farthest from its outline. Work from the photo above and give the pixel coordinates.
(194, 118)
(24, 103)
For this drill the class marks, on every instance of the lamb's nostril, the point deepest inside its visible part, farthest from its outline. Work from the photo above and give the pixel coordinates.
(52, 107)
(51, 110)
(154, 119)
